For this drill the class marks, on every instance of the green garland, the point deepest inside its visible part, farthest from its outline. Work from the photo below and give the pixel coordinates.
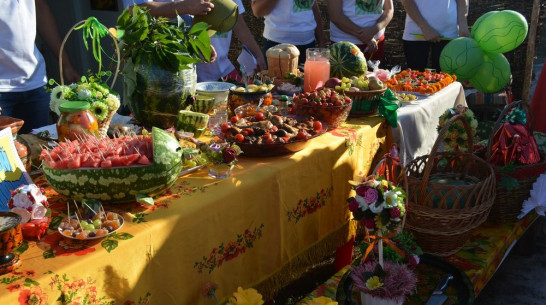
(456, 137)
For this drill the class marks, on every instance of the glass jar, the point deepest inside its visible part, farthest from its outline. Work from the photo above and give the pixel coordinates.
(76, 121)
(237, 98)
(316, 70)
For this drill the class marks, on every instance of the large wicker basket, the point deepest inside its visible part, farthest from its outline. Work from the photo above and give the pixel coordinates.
(450, 194)
(508, 203)
(105, 123)
(365, 103)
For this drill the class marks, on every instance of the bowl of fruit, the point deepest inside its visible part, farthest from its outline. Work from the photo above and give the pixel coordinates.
(266, 134)
(257, 94)
(325, 105)
(364, 91)
(99, 225)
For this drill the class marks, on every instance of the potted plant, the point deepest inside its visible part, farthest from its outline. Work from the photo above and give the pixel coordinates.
(159, 58)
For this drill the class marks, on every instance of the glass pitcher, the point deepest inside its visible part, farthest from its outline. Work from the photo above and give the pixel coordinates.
(316, 70)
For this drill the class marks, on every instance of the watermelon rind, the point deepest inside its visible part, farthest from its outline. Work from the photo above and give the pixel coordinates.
(346, 60)
(122, 184)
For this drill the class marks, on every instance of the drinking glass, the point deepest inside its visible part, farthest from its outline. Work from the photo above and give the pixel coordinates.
(316, 70)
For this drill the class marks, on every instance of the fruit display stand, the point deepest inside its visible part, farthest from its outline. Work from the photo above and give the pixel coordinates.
(260, 227)
(473, 266)
(417, 121)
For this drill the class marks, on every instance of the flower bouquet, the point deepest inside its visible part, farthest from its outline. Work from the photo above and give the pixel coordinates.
(222, 158)
(456, 137)
(30, 202)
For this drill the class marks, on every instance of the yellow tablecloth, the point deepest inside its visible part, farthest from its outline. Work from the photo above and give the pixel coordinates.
(258, 227)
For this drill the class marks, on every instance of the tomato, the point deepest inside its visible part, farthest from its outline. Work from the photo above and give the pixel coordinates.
(259, 116)
(317, 125)
(234, 119)
(301, 136)
(224, 127)
(239, 138)
(273, 129)
(266, 136)
(270, 141)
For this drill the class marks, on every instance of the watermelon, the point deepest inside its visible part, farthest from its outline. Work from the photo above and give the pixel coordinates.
(191, 121)
(346, 60)
(203, 104)
(122, 184)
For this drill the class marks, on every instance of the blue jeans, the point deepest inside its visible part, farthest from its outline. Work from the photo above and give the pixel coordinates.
(301, 59)
(31, 106)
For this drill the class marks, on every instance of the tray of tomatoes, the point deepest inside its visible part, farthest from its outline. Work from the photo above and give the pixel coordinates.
(266, 134)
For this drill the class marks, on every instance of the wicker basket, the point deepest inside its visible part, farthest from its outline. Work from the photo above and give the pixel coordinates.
(443, 215)
(103, 124)
(365, 103)
(508, 203)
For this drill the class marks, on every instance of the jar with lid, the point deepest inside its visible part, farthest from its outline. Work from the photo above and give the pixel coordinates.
(76, 121)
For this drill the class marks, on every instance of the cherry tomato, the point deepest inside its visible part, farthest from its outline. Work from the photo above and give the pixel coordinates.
(301, 136)
(270, 141)
(317, 125)
(239, 138)
(234, 119)
(224, 127)
(259, 116)
(273, 129)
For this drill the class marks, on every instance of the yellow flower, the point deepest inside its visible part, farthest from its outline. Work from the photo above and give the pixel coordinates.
(373, 283)
(321, 301)
(248, 296)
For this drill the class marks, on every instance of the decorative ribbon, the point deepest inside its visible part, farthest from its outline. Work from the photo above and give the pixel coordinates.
(517, 116)
(388, 106)
(373, 239)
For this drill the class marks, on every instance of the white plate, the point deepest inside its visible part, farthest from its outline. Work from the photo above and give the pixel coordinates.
(121, 222)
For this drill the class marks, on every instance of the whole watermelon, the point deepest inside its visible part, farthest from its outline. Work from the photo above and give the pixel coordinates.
(346, 60)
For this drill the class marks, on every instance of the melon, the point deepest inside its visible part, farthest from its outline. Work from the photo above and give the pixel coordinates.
(346, 60)
(122, 184)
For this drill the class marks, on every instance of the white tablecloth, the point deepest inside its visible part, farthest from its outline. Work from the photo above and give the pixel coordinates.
(417, 121)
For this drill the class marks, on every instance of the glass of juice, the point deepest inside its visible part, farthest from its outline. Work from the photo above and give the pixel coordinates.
(316, 70)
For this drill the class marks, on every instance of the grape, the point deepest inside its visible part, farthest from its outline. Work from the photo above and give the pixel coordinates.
(97, 223)
(190, 163)
(201, 160)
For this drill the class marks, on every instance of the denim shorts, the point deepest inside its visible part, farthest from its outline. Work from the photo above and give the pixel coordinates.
(31, 106)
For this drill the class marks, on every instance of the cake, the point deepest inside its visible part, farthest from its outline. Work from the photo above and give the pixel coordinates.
(281, 59)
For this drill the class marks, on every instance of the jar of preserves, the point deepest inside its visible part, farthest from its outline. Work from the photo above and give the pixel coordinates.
(238, 98)
(76, 121)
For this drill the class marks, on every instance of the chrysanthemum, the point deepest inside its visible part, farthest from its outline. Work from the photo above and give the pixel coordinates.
(57, 97)
(112, 101)
(99, 110)
(84, 94)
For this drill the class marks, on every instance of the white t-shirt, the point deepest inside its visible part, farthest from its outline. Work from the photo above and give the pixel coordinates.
(291, 21)
(440, 14)
(22, 66)
(362, 14)
(222, 66)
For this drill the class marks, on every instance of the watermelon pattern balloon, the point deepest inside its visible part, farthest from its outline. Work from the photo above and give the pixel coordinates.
(493, 75)
(462, 57)
(501, 31)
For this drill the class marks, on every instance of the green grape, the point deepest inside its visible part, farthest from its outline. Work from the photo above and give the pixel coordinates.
(344, 80)
(337, 87)
(201, 160)
(97, 223)
(190, 163)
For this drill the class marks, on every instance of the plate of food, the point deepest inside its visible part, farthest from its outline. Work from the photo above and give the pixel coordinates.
(406, 97)
(266, 134)
(98, 226)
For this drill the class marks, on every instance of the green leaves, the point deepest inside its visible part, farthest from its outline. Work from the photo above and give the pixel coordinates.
(171, 45)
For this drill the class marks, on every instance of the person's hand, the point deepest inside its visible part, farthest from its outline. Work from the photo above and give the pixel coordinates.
(464, 32)
(366, 34)
(213, 54)
(431, 34)
(371, 46)
(195, 7)
(70, 75)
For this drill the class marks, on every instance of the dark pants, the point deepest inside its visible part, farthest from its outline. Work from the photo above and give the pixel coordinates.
(418, 54)
(301, 60)
(30, 106)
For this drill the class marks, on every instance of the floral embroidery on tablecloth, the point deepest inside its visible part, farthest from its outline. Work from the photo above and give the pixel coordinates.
(231, 250)
(22, 282)
(79, 291)
(309, 205)
(56, 245)
(141, 301)
(33, 296)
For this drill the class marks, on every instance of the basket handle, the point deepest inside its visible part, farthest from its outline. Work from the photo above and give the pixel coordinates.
(499, 122)
(434, 151)
(62, 48)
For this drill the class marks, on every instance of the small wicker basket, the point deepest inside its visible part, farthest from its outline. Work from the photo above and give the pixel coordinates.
(451, 193)
(105, 123)
(365, 103)
(508, 203)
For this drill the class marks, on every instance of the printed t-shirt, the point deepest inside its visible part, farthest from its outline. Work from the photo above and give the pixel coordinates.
(362, 13)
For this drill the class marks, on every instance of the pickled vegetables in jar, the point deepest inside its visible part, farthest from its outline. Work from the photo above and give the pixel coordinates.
(76, 121)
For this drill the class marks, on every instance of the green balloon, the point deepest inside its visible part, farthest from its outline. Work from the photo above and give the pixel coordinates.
(500, 32)
(462, 57)
(493, 75)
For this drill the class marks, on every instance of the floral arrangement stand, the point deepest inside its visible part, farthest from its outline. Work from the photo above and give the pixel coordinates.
(91, 27)
(514, 181)
(451, 193)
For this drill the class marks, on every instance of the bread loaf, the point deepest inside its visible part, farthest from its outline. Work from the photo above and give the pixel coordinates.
(282, 58)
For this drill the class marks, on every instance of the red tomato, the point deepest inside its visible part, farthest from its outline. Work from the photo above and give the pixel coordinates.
(239, 138)
(301, 136)
(259, 116)
(234, 119)
(273, 129)
(270, 141)
(317, 125)
(224, 127)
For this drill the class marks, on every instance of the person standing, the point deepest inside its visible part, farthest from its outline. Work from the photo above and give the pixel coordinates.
(296, 22)
(361, 22)
(22, 66)
(430, 24)
(170, 8)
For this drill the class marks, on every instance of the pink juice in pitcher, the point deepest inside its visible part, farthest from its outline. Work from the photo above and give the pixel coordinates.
(316, 69)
